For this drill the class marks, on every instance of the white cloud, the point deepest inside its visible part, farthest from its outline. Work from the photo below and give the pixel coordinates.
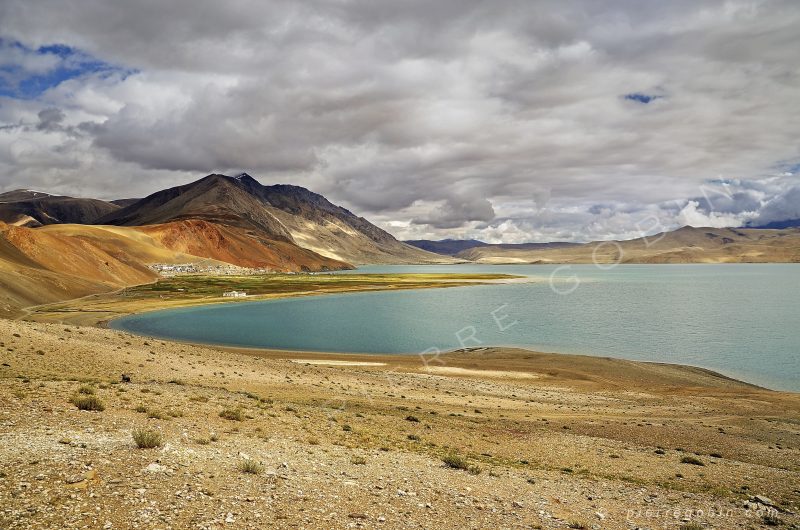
(498, 121)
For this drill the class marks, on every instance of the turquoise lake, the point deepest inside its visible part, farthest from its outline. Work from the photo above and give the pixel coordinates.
(740, 320)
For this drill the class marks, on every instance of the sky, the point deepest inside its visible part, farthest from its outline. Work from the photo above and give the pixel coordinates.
(506, 121)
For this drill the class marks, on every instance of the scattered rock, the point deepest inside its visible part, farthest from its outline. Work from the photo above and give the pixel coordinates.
(766, 501)
(155, 468)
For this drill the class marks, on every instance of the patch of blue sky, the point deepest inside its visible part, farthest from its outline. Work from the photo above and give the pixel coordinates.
(19, 81)
(640, 97)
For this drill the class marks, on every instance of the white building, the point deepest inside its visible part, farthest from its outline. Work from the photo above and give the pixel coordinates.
(234, 294)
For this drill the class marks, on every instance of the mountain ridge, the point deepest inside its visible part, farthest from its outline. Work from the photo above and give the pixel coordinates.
(35, 208)
(684, 245)
(280, 212)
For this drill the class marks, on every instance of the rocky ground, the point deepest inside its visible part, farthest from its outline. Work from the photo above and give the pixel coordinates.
(273, 440)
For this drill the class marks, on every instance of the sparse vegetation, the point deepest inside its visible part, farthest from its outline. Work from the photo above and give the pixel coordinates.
(771, 519)
(455, 461)
(91, 402)
(692, 460)
(147, 439)
(412, 418)
(692, 526)
(358, 460)
(578, 525)
(250, 466)
(232, 414)
(86, 390)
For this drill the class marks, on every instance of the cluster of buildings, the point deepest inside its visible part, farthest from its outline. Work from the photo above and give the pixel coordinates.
(171, 269)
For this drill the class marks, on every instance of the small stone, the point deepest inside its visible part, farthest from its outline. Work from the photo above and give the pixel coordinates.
(517, 504)
(155, 468)
(74, 479)
(766, 501)
(229, 519)
(357, 515)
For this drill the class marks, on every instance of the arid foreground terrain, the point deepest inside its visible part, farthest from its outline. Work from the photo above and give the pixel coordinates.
(278, 440)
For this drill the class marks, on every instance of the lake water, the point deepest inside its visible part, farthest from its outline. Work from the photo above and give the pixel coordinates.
(741, 320)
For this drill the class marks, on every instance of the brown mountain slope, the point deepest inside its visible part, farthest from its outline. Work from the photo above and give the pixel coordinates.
(42, 265)
(685, 245)
(245, 248)
(279, 213)
(58, 262)
(34, 208)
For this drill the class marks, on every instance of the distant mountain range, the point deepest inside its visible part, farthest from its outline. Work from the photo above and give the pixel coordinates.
(789, 223)
(459, 247)
(54, 247)
(446, 247)
(36, 208)
(685, 245)
(286, 219)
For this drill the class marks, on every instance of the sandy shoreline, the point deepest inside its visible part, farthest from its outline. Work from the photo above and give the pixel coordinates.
(79, 315)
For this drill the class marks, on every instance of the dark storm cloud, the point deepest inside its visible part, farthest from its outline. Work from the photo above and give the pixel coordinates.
(50, 119)
(508, 119)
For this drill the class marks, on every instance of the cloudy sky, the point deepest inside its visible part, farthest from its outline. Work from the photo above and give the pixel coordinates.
(505, 120)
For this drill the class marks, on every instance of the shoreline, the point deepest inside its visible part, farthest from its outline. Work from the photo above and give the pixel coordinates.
(105, 319)
(116, 307)
(280, 353)
(405, 358)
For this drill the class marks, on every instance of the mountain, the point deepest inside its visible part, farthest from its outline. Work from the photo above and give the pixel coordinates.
(277, 214)
(58, 262)
(461, 247)
(55, 247)
(122, 203)
(685, 245)
(36, 208)
(777, 225)
(446, 247)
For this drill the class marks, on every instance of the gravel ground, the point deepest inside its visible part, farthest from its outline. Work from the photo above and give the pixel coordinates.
(363, 446)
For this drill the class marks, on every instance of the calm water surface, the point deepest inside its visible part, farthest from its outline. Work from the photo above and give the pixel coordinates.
(740, 320)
